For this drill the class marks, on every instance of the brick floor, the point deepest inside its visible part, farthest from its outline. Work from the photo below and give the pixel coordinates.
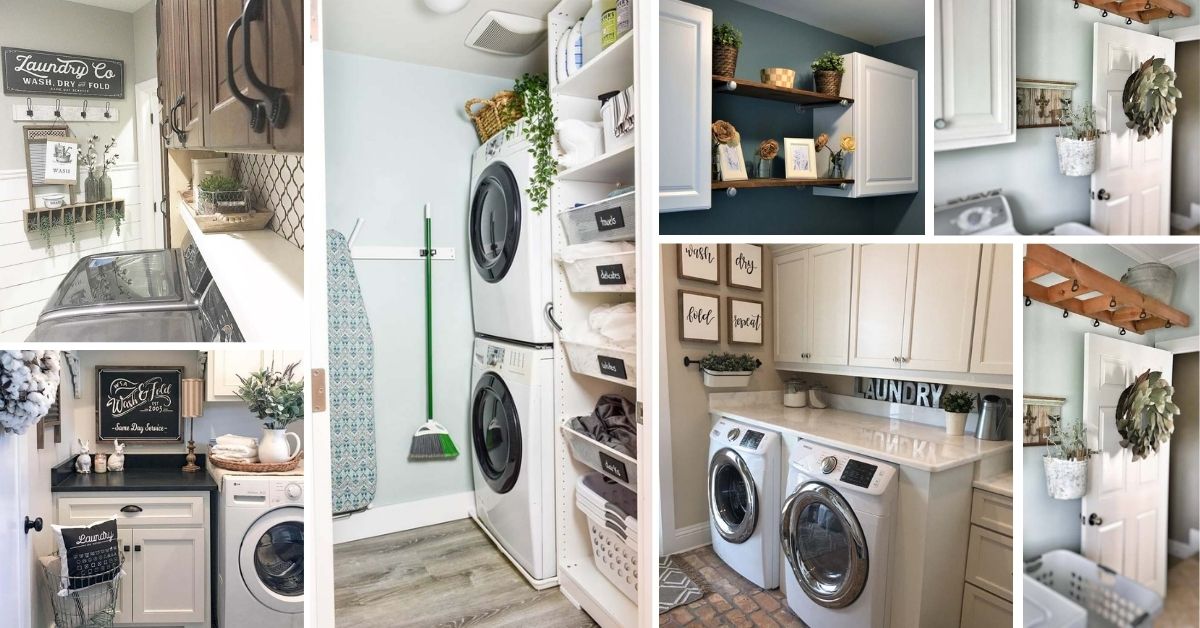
(729, 599)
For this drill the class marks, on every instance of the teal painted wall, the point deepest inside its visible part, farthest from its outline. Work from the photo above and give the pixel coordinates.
(770, 40)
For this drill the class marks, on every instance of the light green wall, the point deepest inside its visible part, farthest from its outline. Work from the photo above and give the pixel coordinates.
(1185, 299)
(145, 43)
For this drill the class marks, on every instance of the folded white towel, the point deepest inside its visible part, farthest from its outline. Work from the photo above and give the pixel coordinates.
(236, 449)
(234, 439)
(228, 454)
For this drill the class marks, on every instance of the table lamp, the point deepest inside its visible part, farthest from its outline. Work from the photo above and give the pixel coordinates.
(192, 408)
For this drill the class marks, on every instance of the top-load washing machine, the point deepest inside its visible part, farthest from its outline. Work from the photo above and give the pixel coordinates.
(743, 500)
(510, 245)
(990, 214)
(836, 536)
(512, 441)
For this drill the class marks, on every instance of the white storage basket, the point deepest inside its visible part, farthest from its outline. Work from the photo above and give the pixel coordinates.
(612, 143)
(615, 272)
(607, 220)
(607, 363)
(1110, 599)
(615, 555)
(615, 465)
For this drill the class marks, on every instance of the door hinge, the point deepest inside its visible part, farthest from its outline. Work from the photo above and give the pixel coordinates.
(639, 413)
(319, 396)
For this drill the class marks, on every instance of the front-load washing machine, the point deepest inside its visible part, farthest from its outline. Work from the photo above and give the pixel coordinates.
(743, 499)
(510, 245)
(260, 560)
(512, 441)
(836, 536)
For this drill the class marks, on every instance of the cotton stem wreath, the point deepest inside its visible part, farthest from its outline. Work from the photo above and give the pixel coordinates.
(533, 91)
(28, 388)
(1144, 413)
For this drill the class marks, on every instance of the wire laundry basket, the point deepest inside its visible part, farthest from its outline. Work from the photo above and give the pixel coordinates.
(90, 600)
(1111, 600)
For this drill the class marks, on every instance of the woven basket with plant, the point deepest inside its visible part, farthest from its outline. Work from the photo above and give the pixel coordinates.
(827, 73)
(496, 113)
(726, 42)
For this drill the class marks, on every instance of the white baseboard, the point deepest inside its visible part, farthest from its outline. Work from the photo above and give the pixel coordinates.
(1179, 549)
(380, 520)
(687, 538)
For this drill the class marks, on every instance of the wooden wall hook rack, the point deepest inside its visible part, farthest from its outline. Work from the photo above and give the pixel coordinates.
(1144, 11)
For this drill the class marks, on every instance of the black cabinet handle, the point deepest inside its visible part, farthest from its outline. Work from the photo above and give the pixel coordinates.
(258, 111)
(126, 548)
(180, 133)
(33, 524)
(137, 548)
(253, 11)
(131, 509)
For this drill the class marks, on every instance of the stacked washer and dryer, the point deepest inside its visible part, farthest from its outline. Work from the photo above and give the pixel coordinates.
(512, 403)
(828, 542)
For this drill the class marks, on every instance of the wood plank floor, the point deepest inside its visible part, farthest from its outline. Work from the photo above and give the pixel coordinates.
(444, 575)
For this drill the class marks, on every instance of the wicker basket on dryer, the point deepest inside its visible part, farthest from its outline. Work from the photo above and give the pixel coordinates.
(496, 113)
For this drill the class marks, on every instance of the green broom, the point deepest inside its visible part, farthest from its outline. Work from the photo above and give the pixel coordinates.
(431, 441)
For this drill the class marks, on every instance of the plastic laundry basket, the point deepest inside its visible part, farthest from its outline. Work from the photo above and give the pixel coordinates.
(613, 551)
(1110, 599)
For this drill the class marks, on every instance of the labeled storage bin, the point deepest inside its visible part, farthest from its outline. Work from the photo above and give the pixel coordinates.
(600, 269)
(615, 465)
(608, 220)
(613, 536)
(607, 363)
(1110, 599)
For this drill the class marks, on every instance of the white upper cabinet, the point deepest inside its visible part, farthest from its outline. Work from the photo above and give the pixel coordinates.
(812, 305)
(974, 101)
(992, 344)
(791, 306)
(879, 297)
(942, 297)
(685, 97)
(883, 119)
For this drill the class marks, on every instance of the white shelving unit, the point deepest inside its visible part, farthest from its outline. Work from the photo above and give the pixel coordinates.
(575, 393)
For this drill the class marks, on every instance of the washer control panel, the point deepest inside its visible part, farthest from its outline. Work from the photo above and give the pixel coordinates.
(858, 473)
(752, 439)
(743, 437)
(842, 469)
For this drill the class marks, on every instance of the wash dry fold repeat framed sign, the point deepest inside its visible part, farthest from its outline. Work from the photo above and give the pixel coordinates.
(40, 73)
(138, 403)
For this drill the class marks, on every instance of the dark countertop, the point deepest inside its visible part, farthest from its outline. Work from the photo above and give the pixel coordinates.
(143, 472)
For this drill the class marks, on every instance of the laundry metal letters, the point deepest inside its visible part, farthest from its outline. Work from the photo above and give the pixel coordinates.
(898, 391)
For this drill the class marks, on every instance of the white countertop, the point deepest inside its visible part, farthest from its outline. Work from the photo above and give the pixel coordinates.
(1000, 484)
(900, 442)
(261, 276)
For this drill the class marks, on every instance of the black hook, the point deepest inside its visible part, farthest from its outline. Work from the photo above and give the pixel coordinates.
(1076, 4)
(29, 107)
(57, 108)
(1143, 314)
(1028, 302)
(107, 106)
(1113, 302)
(83, 111)
(1128, 21)
(1122, 331)
(1074, 285)
(1095, 323)
(1066, 313)
(1148, 7)
(1170, 14)
(1104, 13)
(1168, 324)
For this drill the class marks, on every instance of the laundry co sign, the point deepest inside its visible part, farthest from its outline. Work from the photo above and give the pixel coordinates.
(35, 72)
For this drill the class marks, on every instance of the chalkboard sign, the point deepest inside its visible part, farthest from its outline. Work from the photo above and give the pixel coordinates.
(614, 467)
(609, 219)
(36, 72)
(612, 367)
(138, 404)
(611, 274)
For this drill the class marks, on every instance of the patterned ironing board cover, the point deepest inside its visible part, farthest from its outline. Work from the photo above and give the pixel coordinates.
(351, 384)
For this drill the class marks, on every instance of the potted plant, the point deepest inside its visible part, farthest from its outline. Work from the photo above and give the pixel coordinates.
(221, 193)
(727, 40)
(827, 73)
(1149, 97)
(277, 397)
(957, 404)
(1066, 460)
(728, 370)
(1076, 141)
(767, 150)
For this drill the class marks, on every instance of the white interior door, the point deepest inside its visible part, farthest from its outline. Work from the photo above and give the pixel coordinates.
(1125, 508)
(16, 556)
(150, 164)
(1131, 188)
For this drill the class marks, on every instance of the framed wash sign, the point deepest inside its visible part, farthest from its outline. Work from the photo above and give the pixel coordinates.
(699, 317)
(37, 72)
(700, 262)
(138, 403)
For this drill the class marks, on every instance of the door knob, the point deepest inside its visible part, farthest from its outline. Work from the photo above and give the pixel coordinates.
(940, 123)
(1103, 195)
(33, 524)
(1094, 520)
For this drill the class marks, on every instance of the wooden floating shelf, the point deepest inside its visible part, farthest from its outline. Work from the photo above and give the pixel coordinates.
(752, 89)
(1143, 12)
(1116, 304)
(731, 187)
(80, 212)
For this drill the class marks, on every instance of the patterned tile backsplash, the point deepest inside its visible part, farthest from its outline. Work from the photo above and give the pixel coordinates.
(275, 182)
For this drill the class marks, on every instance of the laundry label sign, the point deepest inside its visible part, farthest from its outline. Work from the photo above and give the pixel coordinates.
(609, 219)
(36, 72)
(138, 404)
(898, 391)
(612, 367)
(611, 274)
(613, 467)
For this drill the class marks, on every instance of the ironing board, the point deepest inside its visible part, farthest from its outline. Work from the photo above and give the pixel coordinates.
(351, 384)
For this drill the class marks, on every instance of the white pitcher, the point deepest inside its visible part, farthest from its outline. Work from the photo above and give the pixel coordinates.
(275, 446)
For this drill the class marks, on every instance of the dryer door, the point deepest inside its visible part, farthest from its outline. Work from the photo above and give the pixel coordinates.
(495, 222)
(732, 496)
(496, 433)
(272, 559)
(825, 545)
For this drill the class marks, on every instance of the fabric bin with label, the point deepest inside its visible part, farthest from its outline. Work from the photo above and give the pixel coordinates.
(612, 463)
(600, 267)
(607, 363)
(607, 220)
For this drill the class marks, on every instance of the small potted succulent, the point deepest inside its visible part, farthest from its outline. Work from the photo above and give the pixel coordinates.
(1066, 460)
(220, 193)
(726, 42)
(1076, 141)
(827, 73)
(957, 405)
(728, 370)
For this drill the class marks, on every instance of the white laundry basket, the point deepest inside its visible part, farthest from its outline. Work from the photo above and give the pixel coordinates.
(614, 553)
(1111, 600)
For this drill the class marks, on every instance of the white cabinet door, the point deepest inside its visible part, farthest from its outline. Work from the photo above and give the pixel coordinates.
(225, 366)
(883, 119)
(828, 304)
(171, 570)
(938, 326)
(685, 48)
(124, 614)
(878, 298)
(975, 78)
(791, 306)
(984, 610)
(992, 345)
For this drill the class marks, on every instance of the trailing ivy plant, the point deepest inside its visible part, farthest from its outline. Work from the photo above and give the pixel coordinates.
(44, 226)
(1144, 412)
(728, 362)
(117, 216)
(100, 215)
(69, 224)
(533, 90)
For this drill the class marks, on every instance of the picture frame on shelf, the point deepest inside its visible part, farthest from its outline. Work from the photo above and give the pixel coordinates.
(699, 262)
(745, 266)
(61, 159)
(745, 321)
(799, 158)
(731, 164)
(699, 317)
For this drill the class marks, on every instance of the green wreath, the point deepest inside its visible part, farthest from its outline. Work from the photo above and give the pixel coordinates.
(1149, 97)
(1144, 413)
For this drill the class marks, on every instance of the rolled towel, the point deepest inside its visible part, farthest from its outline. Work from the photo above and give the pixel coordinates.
(234, 439)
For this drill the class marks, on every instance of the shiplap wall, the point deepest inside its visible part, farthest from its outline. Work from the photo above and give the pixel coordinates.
(29, 272)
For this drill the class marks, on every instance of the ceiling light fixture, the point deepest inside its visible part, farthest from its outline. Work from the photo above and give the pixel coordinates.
(445, 7)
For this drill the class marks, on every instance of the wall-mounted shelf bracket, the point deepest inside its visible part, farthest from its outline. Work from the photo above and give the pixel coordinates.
(393, 252)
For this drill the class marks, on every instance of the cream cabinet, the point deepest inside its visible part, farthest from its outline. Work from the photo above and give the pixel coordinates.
(878, 300)
(884, 119)
(987, 590)
(992, 342)
(225, 366)
(981, 609)
(685, 53)
(974, 102)
(812, 304)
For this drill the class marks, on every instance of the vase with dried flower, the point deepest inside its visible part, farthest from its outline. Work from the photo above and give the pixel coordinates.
(723, 134)
(767, 150)
(106, 185)
(837, 160)
(726, 42)
(92, 188)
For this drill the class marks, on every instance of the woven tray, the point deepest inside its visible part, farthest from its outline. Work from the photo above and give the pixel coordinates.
(256, 467)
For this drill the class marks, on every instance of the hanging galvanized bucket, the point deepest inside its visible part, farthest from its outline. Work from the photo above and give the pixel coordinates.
(1076, 158)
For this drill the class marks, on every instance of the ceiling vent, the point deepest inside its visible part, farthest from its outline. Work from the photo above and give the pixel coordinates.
(506, 34)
